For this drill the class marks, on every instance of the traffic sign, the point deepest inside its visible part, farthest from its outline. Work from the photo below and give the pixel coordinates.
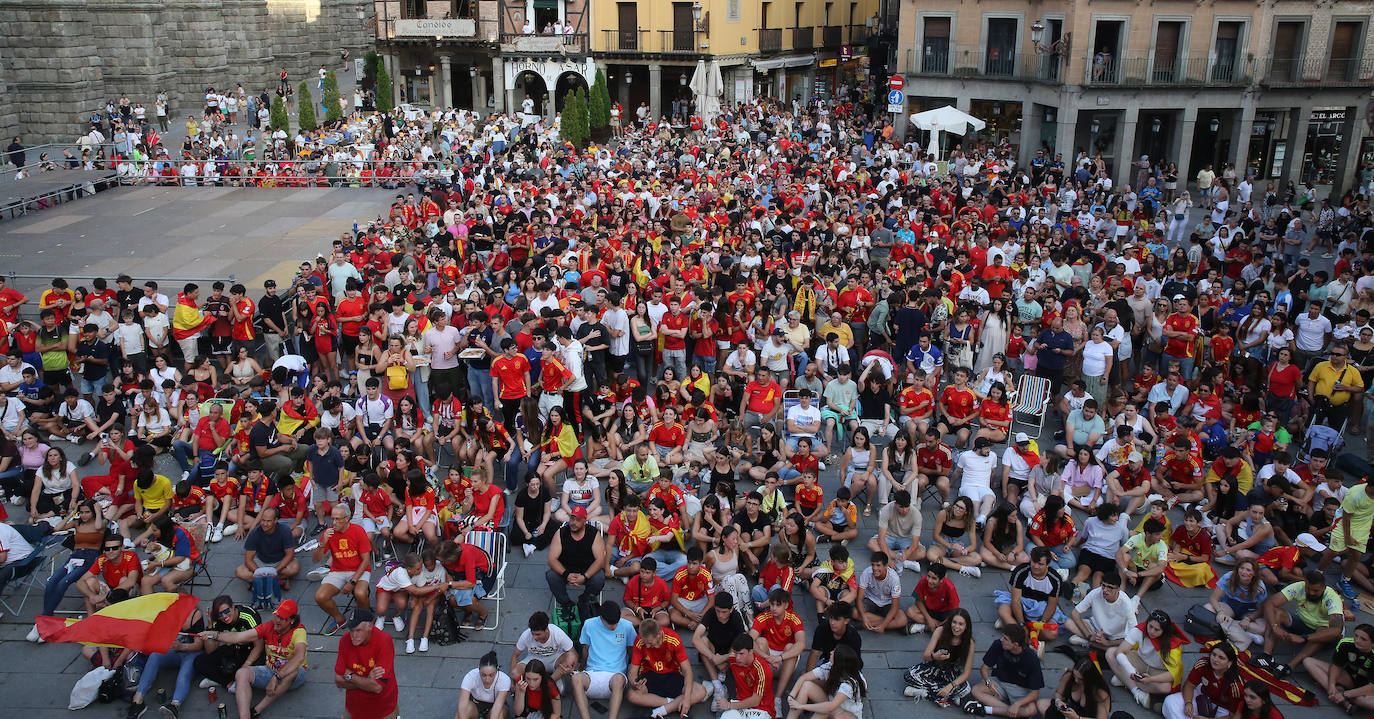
(895, 109)
(895, 97)
(896, 82)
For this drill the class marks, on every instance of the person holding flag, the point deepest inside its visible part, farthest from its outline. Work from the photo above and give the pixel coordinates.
(188, 322)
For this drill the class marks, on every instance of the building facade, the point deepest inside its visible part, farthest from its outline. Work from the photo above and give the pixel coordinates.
(62, 59)
(1280, 89)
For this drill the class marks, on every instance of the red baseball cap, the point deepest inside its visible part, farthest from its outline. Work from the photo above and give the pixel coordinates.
(575, 511)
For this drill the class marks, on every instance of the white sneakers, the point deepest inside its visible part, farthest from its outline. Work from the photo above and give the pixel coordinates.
(916, 628)
(33, 635)
(528, 549)
(410, 646)
(1141, 697)
(424, 644)
(912, 565)
(971, 572)
(710, 690)
(380, 623)
(1078, 641)
(207, 683)
(913, 693)
(217, 533)
(398, 623)
(318, 573)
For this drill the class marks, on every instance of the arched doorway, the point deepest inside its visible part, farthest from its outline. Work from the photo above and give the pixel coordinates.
(530, 83)
(566, 83)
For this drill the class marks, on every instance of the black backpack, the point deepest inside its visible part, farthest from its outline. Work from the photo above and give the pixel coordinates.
(1201, 623)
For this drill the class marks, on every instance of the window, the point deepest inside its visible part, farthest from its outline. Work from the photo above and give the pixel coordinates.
(1107, 54)
(1001, 50)
(1287, 50)
(732, 10)
(763, 17)
(935, 46)
(796, 15)
(1227, 51)
(413, 9)
(1344, 39)
(1168, 42)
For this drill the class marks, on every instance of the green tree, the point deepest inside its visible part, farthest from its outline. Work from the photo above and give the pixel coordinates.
(332, 111)
(573, 125)
(305, 107)
(369, 79)
(384, 98)
(600, 110)
(280, 120)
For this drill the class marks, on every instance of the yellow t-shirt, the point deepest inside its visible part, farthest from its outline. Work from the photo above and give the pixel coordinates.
(1326, 376)
(155, 497)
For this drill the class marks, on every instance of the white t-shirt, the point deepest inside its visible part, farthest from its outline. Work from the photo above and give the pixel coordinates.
(1110, 618)
(81, 412)
(1312, 333)
(1095, 356)
(546, 652)
(580, 494)
(395, 580)
(977, 469)
(473, 683)
(882, 593)
(804, 416)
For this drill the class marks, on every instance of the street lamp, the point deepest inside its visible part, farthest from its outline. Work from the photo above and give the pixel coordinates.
(1058, 47)
(1037, 32)
(1094, 127)
(682, 79)
(1154, 126)
(1215, 124)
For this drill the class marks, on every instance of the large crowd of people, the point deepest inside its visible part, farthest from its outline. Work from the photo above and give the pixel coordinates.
(680, 366)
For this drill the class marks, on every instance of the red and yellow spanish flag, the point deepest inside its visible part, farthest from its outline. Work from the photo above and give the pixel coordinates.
(147, 624)
(187, 319)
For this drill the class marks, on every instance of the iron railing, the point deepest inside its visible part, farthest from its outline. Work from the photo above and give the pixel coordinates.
(1319, 71)
(977, 61)
(680, 40)
(1150, 71)
(624, 40)
(832, 36)
(770, 39)
(802, 38)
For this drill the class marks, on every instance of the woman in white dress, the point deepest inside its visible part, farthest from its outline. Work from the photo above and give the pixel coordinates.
(993, 335)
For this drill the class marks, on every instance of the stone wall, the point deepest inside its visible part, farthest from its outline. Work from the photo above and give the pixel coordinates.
(60, 59)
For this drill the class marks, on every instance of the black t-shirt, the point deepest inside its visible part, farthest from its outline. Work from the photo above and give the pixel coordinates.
(825, 641)
(91, 371)
(262, 435)
(269, 548)
(873, 403)
(272, 307)
(104, 410)
(750, 526)
(1359, 665)
(533, 506)
(244, 619)
(722, 634)
(598, 356)
(1022, 669)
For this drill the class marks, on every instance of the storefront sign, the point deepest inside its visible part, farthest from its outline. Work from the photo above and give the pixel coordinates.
(846, 52)
(828, 62)
(1333, 115)
(450, 27)
(536, 43)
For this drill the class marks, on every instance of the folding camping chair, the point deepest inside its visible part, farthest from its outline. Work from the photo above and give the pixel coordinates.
(493, 544)
(24, 574)
(1032, 398)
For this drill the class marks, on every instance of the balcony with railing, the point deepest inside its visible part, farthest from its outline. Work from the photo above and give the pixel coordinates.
(680, 41)
(624, 41)
(803, 38)
(832, 36)
(1318, 71)
(1150, 71)
(770, 39)
(565, 44)
(938, 59)
(858, 34)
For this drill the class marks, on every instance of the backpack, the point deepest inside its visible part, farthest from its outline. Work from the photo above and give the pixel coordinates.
(1201, 623)
(445, 630)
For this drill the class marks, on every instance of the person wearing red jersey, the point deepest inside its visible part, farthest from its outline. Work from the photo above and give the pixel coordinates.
(754, 695)
(223, 490)
(1181, 330)
(115, 569)
(350, 562)
(366, 669)
(1213, 688)
(779, 639)
(646, 595)
(511, 381)
(352, 314)
(690, 591)
(1129, 484)
(762, 399)
(660, 674)
(283, 641)
(293, 507)
(934, 463)
(1180, 476)
(668, 438)
(958, 407)
(916, 405)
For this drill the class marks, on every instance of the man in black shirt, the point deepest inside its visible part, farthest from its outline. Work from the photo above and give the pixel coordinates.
(715, 634)
(279, 455)
(220, 661)
(837, 629)
(272, 318)
(577, 558)
(596, 341)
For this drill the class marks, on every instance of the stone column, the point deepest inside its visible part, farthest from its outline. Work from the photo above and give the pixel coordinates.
(1297, 144)
(655, 91)
(961, 103)
(1345, 171)
(445, 80)
(498, 83)
(479, 91)
(1240, 152)
(1031, 117)
(1066, 119)
(1186, 127)
(780, 88)
(1125, 143)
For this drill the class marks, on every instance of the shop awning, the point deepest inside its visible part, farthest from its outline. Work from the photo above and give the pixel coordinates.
(775, 63)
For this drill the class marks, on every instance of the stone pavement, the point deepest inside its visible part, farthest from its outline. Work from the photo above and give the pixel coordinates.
(38, 678)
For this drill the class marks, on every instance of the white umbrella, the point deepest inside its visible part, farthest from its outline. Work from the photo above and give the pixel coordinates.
(715, 88)
(945, 119)
(700, 80)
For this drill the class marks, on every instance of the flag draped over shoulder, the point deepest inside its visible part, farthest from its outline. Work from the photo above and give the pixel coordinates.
(187, 319)
(147, 624)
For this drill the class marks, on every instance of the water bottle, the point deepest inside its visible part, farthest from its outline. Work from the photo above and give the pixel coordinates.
(223, 713)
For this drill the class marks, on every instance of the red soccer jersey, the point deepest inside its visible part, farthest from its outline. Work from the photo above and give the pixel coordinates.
(668, 436)
(228, 490)
(1051, 536)
(753, 680)
(672, 496)
(959, 402)
(667, 658)
(347, 549)
(114, 572)
(917, 401)
(688, 585)
(1197, 546)
(944, 598)
(777, 575)
(193, 498)
(995, 411)
(638, 595)
(941, 457)
(511, 371)
(778, 632)
(674, 322)
(1183, 469)
(762, 396)
(1181, 323)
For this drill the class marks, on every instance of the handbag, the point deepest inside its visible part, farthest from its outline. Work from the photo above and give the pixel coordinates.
(1201, 623)
(397, 377)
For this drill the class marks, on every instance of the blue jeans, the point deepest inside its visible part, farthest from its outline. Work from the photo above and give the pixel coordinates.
(479, 384)
(669, 561)
(421, 394)
(183, 661)
(677, 359)
(65, 576)
(513, 475)
(707, 364)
